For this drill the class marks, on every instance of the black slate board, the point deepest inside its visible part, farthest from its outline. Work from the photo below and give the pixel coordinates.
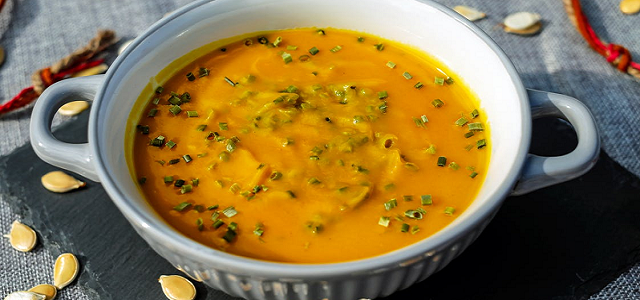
(562, 242)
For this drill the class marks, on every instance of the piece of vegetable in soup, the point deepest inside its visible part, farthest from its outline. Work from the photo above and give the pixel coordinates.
(309, 146)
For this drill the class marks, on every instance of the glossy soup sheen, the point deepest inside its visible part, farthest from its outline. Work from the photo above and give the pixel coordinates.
(310, 149)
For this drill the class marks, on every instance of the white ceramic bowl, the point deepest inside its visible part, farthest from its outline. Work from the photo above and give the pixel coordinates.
(453, 40)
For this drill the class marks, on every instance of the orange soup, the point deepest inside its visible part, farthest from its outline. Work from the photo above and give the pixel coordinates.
(309, 146)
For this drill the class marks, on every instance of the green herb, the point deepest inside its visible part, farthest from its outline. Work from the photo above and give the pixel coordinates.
(314, 51)
(200, 224)
(413, 214)
(383, 107)
(475, 127)
(426, 200)
(360, 39)
(231, 145)
(229, 81)
(234, 188)
(442, 161)
(182, 206)
(187, 158)
(286, 57)
(203, 72)
(191, 77)
(229, 211)
(407, 198)
(292, 48)
(161, 162)
(263, 40)
(460, 122)
(415, 229)
(383, 95)
(212, 207)
(288, 142)
(158, 141)
(199, 208)
(313, 180)
(431, 149)
(437, 103)
(186, 189)
(468, 134)
(277, 41)
(201, 127)
(223, 126)
(389, 186)
(195, 181)
(439, 80)
(321, 32)
(174, 161)
(316, 150)
(475, 114)
(304, 58)
(379, 47)
(175, 109)
(391, 64)
(156, 101)
(361, 169)
(192, 114)
(275, 175)
(449, 210)
(186, 97)
(473, 175)
(406, 75)
(229, 235)
(179, 183)
(142, 180)
(449, 80)
(202, 154)
(405, 227)
(159, 90)
(152, 112)
(390, 204)
(143, 129)
(453, 165)
(291, 194)
(224, 156)
(419, 122)
(314, 157)
(259, 230)
(336, 49)
(481, 143)
(468, 147)
(418, 85)
(217, 223)
(171, 144)
(384, 221)
(411, 166)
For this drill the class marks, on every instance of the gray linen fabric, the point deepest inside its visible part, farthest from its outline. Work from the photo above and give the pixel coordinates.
(557, 59)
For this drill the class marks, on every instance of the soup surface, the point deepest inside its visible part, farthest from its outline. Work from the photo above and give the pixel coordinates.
(309, 146)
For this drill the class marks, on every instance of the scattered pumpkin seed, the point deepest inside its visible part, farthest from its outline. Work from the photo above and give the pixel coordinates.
(65, 270)
(60, 182)
(25, 295)
(22, 237)
(523, 23)
(176, 287)
(628, 7)
(73, 108)
(99, 69)
(49, 291)
(470, 13)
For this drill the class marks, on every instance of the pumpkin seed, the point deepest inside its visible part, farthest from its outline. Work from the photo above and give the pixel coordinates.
(22, 237)
(73, 108)
(24, 295)
(65, 270)
(92, 71)
(529, 31)
(470, 13)
(49, 291)
(628, 7)
(60, 182)
(521, 20)
(176, 287)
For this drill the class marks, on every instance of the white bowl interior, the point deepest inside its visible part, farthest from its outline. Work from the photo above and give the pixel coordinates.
(410, 22)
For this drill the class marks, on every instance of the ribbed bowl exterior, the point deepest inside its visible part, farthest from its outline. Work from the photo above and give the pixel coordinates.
(371, 284)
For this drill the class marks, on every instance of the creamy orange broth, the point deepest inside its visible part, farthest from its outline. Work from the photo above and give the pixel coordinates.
(315, 152)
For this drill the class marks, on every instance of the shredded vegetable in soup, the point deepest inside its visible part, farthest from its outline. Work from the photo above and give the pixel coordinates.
(309, 146)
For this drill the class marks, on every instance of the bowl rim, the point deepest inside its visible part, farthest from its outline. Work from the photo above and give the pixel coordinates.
(163, 234)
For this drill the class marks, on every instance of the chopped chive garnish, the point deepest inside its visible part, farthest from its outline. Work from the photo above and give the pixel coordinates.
(203, 72)
(224, 156)
(161, 162)
(321, 32)
(195, 181)
(179, 183)
(405, 227)
(156, 101)
(277, 41)
(343, 189)
(431, 149)
(291, 194)
(142, 180)
(475, 114)
(212, 207)
(442, 161)
(256, 189)
(143, 129)
(389, 186)
(288, 141)
(234, 188)
(379, 47)
(481, 143)
(229, 235)
(383, 95)
(336, 49)
(360, 39)
(313, 180)
(471, 168)
(383, 107)
(449, 80)
(182, 206)
(314, 157)
(231, 145)
(223, 126)
(415, 229)
(175, 109)
(468, 147)
(286, 57)
(473, 175)
(419, 122)
(475, 127)
(259, 230)
(468, 134)
(361, 169)
(407, 198)
(439, 80)
(314, 51)
(217, 223)
(152, 112)
(187, 158)
(275, 175)
(263, 40)
(192, 113)
(411, 166)
(413, 214)
(453, 165)
(186, 97)
(199, 208)
(424, 119)
(292, 48)
(426, 200)
(158, 141)
(229, 211)
(418, 85)
(186, 188)
(229, 81)
(437, 103)
(316, 150)
(390, 204)
(406, 75)
(304, 58)
(391, 64)
(171, 144)
(384, 221)
(159, 90)
(174, 161)
(449, 210)
(174, 100)
(460, 122)
(191, 77)
(201, 127)
(200, 224)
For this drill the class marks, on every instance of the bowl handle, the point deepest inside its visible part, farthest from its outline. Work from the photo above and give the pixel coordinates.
(541, 171)
(73, 157)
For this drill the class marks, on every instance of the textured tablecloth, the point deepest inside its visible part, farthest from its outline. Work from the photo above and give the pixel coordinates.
(36, 33)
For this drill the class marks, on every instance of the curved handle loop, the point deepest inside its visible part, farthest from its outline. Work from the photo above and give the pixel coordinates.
(73, 157)
(541, 171)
